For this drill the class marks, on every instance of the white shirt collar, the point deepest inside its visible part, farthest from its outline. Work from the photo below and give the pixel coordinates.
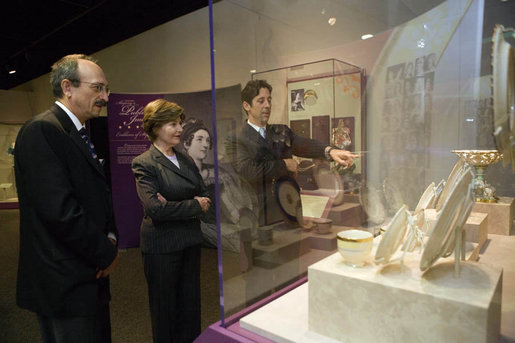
(254, 126)
(174, 160)
(72, 116)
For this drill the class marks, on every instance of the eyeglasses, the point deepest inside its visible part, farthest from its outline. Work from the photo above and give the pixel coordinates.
(99, 87)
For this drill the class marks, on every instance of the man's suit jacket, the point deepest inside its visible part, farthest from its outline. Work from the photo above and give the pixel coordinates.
(175, 225)
(65, 216)
(260, 161)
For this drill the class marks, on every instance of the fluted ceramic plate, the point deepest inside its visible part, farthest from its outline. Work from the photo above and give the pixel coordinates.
(438, 192)
(427, 198)
(449, 184)
(393, 236)
(454, 213)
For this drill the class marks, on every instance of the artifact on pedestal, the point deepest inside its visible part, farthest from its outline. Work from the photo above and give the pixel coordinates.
(480, 160)
(393, 236)
(447, 234)
(355, 246)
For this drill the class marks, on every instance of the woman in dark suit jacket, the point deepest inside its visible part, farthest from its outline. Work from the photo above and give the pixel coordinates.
(173, 197)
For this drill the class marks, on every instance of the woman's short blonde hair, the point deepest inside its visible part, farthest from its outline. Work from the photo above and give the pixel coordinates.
(159, 112)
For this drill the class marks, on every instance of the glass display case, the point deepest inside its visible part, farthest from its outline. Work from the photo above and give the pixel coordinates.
(269, 243)
(425, 94)
(321, 101)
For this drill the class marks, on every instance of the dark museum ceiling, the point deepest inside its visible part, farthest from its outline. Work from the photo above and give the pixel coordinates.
(34, 34)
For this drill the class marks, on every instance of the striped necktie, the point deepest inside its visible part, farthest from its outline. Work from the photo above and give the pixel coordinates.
(262, 132)
(90, 145)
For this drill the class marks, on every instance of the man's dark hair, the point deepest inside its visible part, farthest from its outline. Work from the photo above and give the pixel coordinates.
(66, 68)
(252, 89)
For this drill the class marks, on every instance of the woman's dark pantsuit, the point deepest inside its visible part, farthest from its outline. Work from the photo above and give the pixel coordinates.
(174, 294)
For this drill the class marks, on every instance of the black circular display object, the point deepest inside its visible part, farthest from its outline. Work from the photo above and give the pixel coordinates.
(287, 193)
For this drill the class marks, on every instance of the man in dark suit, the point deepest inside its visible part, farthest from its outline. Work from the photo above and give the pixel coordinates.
(67, 231)
(265, 151)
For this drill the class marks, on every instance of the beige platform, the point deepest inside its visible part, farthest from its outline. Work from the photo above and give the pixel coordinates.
(388, 304)
(385, 304)
(286, 319)
(500, 215)
(476, 227)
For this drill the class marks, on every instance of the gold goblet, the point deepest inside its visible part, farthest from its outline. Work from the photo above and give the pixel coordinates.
(480, 160)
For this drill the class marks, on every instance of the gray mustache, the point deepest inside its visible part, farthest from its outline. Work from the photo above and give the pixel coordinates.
(101, 103)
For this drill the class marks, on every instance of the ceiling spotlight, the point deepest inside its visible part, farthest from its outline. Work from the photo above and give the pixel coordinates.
(332, 21)
(10, 68)
(367, 36)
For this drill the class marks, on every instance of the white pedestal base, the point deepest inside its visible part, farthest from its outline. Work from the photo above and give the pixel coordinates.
(286, 318)
(387, 304)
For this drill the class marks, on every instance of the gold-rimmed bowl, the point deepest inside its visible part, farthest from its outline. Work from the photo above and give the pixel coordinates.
(355, 246)
(479, 158)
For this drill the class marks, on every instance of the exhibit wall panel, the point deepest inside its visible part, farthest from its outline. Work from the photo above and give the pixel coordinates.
(415, 96)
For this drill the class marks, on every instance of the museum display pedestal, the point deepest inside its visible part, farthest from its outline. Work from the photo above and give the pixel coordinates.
(386, 304)
(500, 215)
(390, 304)
(476, 227)
(285, 317)
(347, 214)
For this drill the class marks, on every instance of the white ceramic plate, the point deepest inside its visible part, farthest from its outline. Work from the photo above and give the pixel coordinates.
(455, 212)
(468, 204)
(438, 192)
(331, 182)
(426, 198)
(393, 236)
(449, 184)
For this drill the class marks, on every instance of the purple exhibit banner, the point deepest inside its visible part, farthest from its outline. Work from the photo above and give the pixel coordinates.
(126, 141)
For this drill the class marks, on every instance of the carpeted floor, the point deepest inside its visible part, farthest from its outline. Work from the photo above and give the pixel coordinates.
(130, 318)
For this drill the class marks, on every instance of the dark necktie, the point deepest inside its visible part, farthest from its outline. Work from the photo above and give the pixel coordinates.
(90, 145)
(262, 132)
